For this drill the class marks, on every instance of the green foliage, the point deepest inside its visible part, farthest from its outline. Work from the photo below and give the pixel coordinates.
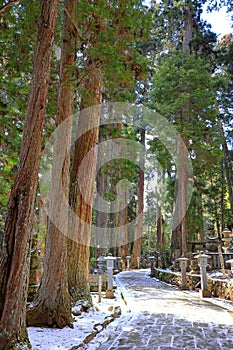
(129, 44)
(112, 32)
(18, 37)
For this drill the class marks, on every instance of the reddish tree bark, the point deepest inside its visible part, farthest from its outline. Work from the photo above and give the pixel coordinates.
(137, 244)
(51, 306)
(81, 198)
(15, 256)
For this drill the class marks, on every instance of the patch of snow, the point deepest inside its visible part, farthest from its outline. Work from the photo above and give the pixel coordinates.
(42, 338)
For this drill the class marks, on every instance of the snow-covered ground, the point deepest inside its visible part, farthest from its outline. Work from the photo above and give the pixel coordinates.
(87, 323)
(64, 339)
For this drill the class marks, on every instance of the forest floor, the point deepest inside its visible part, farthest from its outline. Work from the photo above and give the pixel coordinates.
(86, 326)
(154, 315)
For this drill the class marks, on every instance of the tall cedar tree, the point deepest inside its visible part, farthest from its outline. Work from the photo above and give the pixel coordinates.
(80, 199)
(15, 255)
(51, 306)
(15, 74)
(137, 244)
(184, 104)
(109, 64)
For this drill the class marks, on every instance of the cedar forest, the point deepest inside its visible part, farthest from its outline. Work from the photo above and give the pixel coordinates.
(61, 57)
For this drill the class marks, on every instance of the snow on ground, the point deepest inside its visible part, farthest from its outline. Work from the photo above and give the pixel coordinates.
(64, 339)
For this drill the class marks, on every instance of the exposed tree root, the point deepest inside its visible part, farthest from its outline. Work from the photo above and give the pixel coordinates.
(99, 327)
(10, 340)
(42, 316)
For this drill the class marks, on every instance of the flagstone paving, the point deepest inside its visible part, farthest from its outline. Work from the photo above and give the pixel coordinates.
(162, 317)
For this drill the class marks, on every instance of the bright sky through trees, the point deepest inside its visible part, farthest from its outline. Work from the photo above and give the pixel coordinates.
(220, 21)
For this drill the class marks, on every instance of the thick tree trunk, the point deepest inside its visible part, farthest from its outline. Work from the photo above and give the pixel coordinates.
(122, 216)
(188, 29)
(81, 198)
(51, 306)
(15, 257)
(179, 244)
(175, 244)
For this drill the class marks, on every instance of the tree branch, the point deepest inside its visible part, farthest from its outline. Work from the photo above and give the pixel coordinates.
(5, 7)
(72, 20)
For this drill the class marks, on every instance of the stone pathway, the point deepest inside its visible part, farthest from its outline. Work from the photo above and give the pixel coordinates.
(162, 317)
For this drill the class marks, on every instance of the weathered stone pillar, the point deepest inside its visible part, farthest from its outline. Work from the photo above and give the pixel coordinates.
(202, 262)
(109, 292)
(183, 266)
(128, 262)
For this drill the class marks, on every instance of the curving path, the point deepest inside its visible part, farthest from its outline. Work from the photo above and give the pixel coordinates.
(163, 317)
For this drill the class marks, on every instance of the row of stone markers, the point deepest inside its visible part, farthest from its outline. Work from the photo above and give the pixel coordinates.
(202, 263)
(108, 263)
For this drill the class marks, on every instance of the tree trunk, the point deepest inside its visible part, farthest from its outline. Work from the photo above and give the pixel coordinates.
(102, 208)
(137, 244)
(15, 257)
(188, 26)
(223, 192)
(183, 201)
(227, 165)
(51, 306)
(122, 215)
(159, 234)
(175, 244)
(81, 197)
(188, 29)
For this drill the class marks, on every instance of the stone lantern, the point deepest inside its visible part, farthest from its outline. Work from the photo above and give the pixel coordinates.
(202, 263)
(230, 262)
(152, 265)
(110, 264)
(101, 270)
(183, 266)
(226, 233)
(101, 263)
(227, 238)
(119, 264)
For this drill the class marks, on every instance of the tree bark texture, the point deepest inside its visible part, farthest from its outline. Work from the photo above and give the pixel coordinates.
(15, 256)
(183, 201)
(188, 26)
(227, 165)
(51, 306)
(137, 244)
(81, 198)
(121, 225)
(183, 176)
(102, 208)
(159, 233)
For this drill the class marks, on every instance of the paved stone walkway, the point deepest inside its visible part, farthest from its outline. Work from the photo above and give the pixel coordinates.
(163, 317)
